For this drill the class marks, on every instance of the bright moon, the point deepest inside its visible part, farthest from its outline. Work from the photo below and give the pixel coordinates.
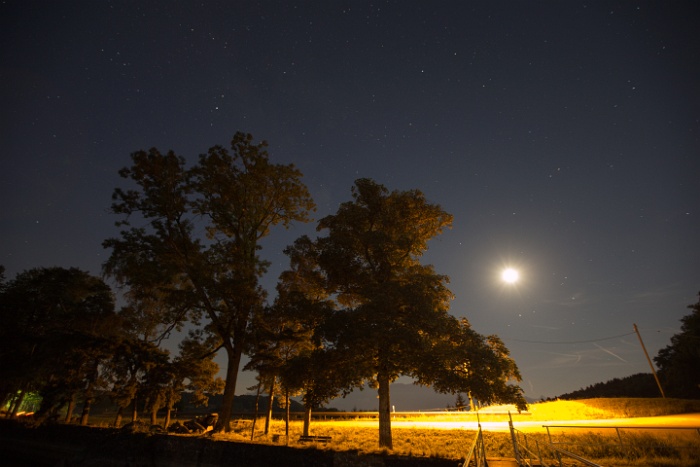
(510, 276)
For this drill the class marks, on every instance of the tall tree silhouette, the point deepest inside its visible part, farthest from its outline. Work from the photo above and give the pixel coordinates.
(390, 302)
(194, 234)
(679, 362)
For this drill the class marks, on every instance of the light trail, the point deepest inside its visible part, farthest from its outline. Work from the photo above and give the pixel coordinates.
(677, 421)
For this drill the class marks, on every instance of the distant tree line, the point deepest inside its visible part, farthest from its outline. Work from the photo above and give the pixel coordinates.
(638, 385)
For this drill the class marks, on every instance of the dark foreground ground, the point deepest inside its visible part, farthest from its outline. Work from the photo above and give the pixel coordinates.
(70, 445)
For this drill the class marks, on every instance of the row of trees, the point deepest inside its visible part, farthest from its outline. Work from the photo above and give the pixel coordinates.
(355, 307)
(63, 339)
(637, 385)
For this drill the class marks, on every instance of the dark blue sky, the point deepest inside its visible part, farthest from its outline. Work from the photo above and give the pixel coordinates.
(562, 136)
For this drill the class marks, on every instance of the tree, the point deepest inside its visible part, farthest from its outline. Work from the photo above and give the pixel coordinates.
(58, 325)
(278, 338)
(319, 375)
(127, 373)
(193, 370)
(391, 317)
(392, 304)
(679, 363)
(460, 403)
(193, 235)
(309, 368)
(140, 369)
(196, 370)
(318, 370)
(464, 361)
(150, 314)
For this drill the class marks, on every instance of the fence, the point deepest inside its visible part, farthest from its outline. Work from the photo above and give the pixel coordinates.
(628, 442)
(621, 442)
(477, 452)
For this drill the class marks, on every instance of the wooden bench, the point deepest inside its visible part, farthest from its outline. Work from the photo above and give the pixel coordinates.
(314, 439)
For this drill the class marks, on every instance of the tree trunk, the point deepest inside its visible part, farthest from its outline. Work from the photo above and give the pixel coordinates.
(154, 414)
(166, 419)
(118, 418)
(134, 409)
(86, 411)
(70, 409)
(385, 440)
(16, 404)
(286, 415)
(255, 414)
(87, 405)
(168, 409)
(234, 360)
(307, 419)
(270, 402)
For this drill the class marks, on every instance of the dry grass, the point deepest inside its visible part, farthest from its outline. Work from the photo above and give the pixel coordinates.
(361, 434)
(595, 409)
(450, 444)
(638, 407)
(640, 449)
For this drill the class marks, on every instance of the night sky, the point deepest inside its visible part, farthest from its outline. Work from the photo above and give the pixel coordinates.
(563, 136)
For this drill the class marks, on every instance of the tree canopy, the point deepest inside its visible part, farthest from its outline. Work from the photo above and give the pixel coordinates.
(679, 362)
(58, 327)
(192, 235)
(356, 305)
(392, 314)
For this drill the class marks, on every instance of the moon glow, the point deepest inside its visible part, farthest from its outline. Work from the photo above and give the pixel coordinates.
(510, 276)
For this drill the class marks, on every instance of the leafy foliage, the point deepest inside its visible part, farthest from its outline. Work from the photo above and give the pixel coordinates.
(390, 312)
(58, 327)
(465, 361)
(679, 362)
(393, 304)
(637, 385)
(192, 235)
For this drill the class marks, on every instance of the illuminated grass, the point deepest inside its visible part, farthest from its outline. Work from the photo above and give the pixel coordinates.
(641, 407)
(638, 449)
(360, 434)
(418, 442)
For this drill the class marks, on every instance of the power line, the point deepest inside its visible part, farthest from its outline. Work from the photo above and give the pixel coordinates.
(572, 342)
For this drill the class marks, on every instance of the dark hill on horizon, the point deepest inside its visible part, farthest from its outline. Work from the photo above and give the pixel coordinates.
(637, 385)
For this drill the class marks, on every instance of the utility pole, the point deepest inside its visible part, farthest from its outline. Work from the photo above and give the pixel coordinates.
(653, 371)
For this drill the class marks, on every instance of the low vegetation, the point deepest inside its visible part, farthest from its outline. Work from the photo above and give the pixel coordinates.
(638, 449)
(638, 407)
(357, 432)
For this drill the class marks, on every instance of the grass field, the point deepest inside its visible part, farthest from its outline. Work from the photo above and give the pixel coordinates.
(640, 449)
(361, 434)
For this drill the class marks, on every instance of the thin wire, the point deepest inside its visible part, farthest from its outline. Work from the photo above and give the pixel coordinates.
(573, 342)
